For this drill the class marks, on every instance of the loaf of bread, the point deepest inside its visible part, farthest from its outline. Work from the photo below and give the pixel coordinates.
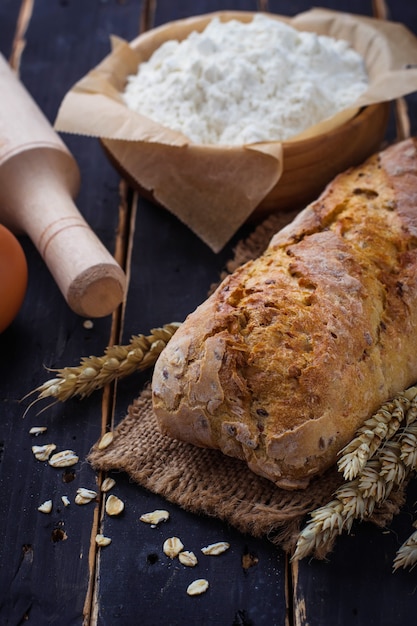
(293, 351)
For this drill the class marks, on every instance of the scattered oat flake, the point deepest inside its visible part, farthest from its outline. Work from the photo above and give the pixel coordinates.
(155, 517)
(187, 558)
(46, 507)
(102, 541)
(114, 506)
(197, 587)
(66, 458)
(214, 549)
(84, 496)
(106, 440)
(37, 430)
(42, 453)
(108, 483)
(65, 500)
(172, 547)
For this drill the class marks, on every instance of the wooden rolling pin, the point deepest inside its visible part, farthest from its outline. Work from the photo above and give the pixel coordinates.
(38, 180)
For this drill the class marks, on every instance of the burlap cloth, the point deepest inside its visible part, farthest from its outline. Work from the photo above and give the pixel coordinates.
(207, 482)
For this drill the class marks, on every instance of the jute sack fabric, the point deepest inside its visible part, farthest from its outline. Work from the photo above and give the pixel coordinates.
(205, 481)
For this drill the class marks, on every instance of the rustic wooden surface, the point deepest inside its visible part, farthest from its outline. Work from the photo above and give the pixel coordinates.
(50, 569)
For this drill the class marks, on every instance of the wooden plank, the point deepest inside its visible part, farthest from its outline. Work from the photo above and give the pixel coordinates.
(356, 584)
(48, 556)
(181, 268)
(171, 274)
(51, 560)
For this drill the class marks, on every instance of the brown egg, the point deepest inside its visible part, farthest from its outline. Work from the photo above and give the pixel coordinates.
(13, 277)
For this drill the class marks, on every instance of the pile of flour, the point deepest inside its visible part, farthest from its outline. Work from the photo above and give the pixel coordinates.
(238, 83)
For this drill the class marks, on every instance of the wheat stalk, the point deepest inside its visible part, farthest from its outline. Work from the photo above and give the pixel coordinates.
(406, 556)
(330, 520)
(377, 465)
(378, 428)
(117, 362)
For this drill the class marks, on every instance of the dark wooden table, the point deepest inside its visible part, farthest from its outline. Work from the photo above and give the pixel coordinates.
(50, 569)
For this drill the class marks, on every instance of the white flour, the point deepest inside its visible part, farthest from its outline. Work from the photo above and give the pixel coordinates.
(239, 83)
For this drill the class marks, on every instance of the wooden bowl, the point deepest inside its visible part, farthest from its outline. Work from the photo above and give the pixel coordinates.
(309, 164)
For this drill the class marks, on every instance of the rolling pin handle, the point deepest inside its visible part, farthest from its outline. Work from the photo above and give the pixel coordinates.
(35, 198)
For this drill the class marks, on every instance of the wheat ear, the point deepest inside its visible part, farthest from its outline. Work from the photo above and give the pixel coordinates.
(406, 556)
(378, 428)
(117, 362)
(384, 466)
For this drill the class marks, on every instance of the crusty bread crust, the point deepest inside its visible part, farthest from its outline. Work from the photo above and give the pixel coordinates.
(294, 350)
